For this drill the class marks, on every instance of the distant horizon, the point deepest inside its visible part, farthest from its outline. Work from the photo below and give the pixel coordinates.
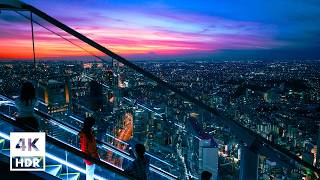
(209, 60)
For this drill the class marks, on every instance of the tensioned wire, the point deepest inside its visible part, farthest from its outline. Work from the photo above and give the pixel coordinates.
(52, 31)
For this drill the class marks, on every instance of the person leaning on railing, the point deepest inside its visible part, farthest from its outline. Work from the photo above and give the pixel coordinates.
(88, 145)
(25, 104)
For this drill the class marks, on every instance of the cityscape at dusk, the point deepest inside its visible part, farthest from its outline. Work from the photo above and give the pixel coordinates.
(204, 90)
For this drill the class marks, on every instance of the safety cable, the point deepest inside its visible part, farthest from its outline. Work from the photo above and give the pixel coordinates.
(33, 21)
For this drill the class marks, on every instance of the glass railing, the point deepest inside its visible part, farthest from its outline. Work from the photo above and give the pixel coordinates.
(65, 92)
(183, 131)
(109, 149)
(62, 160)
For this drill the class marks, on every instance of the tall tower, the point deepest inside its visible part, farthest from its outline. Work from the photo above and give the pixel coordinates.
(204, 147)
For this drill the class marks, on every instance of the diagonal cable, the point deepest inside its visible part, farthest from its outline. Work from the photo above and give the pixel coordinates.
(60, 35)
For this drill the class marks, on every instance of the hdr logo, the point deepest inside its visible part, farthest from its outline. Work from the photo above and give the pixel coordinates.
(27, 151)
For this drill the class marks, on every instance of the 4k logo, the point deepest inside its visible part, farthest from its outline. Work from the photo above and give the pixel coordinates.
(27, 151)
(21, 144)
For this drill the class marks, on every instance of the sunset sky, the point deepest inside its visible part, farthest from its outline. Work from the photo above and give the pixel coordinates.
(212, 29)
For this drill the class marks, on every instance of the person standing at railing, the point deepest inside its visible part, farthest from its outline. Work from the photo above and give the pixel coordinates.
(88, 145)
(139, 168)
(25, 104)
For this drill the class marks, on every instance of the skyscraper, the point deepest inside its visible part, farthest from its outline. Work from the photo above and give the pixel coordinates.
(55, 94)
(208, 156)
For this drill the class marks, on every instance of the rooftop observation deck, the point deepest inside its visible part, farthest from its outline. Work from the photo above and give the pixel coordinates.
(183, 134)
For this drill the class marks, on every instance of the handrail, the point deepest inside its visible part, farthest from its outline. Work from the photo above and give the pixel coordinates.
(70, 149)
(42, 114)
(47, 116)
(251, 139)
(99, 141)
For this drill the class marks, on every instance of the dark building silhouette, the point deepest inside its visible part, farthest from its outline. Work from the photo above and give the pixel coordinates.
(96, 97)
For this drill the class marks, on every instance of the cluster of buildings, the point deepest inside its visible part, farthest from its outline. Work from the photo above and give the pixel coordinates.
(277, 100)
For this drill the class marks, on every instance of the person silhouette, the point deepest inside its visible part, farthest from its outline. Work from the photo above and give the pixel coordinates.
(206, 175)
(25, 104)
(140, 166)
(88, 145)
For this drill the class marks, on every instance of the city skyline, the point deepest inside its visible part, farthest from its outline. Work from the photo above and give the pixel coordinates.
(279, 101)
(145, 30)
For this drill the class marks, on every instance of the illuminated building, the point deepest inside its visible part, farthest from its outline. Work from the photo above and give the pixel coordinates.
(204, 150)
(139, 124)
(109, 75)
(55, 94)
(208, 155)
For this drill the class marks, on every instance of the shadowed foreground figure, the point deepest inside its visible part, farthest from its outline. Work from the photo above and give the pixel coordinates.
(140, 166)
(25, 104)
(206, 175)
(88, 145)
